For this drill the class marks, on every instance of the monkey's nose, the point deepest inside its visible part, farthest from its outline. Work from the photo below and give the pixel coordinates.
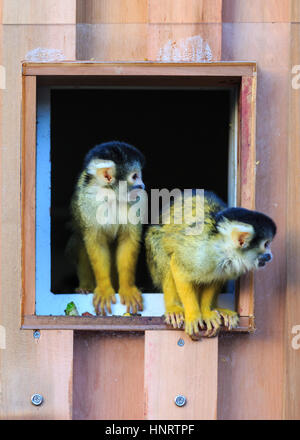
(266, 257)
(142, 186)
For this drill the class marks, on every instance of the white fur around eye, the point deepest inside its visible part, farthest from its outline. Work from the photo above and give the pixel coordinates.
(98, 164)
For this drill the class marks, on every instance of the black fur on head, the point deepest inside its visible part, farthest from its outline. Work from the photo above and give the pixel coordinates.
(263, 225)
(122, 154)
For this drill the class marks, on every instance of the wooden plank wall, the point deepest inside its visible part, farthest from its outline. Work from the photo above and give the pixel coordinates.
(252, 368)
(190, 370)
(28, 365)
(137, 30)
(155, 30)
(292, 354)
(258, 374)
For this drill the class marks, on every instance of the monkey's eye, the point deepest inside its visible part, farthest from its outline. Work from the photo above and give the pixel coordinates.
(267, 244)
(134, 176)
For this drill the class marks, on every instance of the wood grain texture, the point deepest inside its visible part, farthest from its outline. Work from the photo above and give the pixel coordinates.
(112, 11)
(110, 323)
(249, 11)
(171, 370)
(112, 42)
(295, 11)
(154, 42)
(27, 366)
(39, 12)
(252, 373)
(108, 376)
(292, 318)
(41, 366)
(143, 69)
(28, 194)
(185, 11)
(246, 177)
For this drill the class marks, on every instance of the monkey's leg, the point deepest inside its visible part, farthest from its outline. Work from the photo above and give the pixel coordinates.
(99, 255)
(211, 317)
(174, 311)
(188, 296)
(231, 318)
(84, 272)
(127, 254)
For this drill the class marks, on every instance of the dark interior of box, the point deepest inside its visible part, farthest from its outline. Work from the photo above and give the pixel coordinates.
(183, 134)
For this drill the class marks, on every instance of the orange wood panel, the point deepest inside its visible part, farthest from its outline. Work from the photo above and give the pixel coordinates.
(108, 11)
(28, 194)
(185, 11)
(42, 366)
(109, 323)
(246, 171)
(28, 365)
(218, 69)
(189, 370)
(108, 376)
(292, 318)
(295, 11)
(258, 11)
(112, 42)
(39, 12)
(251, 369)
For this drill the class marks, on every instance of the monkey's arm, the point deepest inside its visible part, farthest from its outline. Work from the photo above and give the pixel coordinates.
(174, 311)
(188, 296)
(127, 254)
(99, 255)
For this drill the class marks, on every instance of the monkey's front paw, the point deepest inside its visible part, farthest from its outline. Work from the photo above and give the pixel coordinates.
(103, 297)
(132, 298)
(193, 324)
(231, 318)
(213, 321)
(174, 316)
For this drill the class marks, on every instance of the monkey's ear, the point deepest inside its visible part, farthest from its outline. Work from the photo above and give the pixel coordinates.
(240, 234)
(104, 170)
(240, 237)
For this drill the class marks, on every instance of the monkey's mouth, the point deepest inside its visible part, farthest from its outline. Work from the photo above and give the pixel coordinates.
(261, 263)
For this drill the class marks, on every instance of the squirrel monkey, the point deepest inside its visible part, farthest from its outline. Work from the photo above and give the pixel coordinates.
(191, 268)
(98, 207)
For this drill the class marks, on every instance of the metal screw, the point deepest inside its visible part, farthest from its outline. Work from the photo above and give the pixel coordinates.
(180, 400)
(180, 342)
(37, 399)
(36, 334)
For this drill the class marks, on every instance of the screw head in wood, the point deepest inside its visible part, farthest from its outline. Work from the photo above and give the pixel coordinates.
(37, 399)
(180, 400)
(36, 334)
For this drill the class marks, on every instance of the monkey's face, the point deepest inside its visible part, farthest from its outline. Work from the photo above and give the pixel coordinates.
(124, 182)
(262, 253)
(257, 256)
(247, 246)
(134, 178)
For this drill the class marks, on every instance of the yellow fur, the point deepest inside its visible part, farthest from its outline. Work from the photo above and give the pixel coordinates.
(185, 267)
(92, 246)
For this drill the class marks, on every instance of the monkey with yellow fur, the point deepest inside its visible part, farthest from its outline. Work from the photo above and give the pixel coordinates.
(97, 233)
(191, 266)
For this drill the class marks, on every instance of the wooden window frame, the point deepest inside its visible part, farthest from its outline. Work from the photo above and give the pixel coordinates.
(221, 74)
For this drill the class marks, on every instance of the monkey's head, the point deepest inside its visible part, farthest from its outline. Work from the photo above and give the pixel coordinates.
(113, 162)
(246, 236)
